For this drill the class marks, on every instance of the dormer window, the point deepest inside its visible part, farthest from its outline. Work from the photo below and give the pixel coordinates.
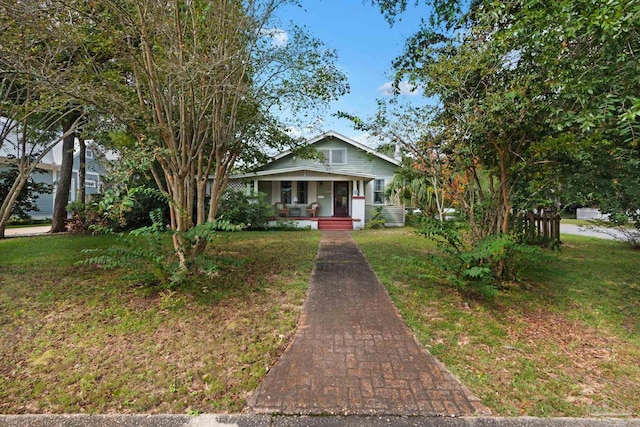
(334, 156)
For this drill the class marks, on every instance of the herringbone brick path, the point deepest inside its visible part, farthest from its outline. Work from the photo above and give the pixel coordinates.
(352, 354)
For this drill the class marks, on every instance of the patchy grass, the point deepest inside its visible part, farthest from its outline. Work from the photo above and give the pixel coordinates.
(80, 339)
(564, 341)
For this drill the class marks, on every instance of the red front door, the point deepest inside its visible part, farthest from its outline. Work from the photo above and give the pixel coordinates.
(341, 198)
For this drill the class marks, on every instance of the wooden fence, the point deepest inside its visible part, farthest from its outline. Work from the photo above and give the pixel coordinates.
(541, 227)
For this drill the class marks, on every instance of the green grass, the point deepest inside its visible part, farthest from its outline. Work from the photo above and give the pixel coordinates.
(81, 339)
(564, 341)
(574, 221)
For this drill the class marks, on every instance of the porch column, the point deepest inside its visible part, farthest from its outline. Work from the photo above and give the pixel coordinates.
(361, 188)
(358, 212)
(255, 186)
(248, 188)
(355, 188)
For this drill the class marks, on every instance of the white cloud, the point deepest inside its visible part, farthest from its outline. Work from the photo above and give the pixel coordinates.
(405, 87)
(279, 37)
(366, 139)
(306, 132)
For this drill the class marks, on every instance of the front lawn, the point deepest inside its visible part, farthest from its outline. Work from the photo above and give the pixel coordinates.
(81, 339)
(565, 341)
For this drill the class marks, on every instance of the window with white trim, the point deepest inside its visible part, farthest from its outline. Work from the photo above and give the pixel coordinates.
(88, 154)
(378, 191)
(334, 156)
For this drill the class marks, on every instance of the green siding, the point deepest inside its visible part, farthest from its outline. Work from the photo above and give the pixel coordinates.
(265, 187)
(393, 214)
(358, 161)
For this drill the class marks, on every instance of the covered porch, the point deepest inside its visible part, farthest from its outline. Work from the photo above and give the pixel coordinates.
(312, 197)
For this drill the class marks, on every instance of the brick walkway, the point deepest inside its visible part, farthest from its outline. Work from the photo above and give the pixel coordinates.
(352, 354)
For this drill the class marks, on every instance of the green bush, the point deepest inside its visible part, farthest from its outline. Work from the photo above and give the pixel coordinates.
(238, 207)
(150, 254)
(483, 265)
(282, 224)
(378, 220)
(116, 211)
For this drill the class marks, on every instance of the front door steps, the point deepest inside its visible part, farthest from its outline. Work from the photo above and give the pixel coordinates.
(335, 223)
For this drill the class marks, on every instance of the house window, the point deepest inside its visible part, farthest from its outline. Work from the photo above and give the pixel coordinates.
(285, 191)
(303, 190)
(88, 154)
(335, 156)
(378, 191)
(339, 156)
(327, 155)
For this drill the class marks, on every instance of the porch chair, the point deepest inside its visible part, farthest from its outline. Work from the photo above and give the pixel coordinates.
(312, 209)
(281, 208)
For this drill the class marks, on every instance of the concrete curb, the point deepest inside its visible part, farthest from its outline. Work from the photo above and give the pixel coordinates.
(253, 420)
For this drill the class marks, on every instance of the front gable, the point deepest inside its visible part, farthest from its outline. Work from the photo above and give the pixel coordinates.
(343, 157)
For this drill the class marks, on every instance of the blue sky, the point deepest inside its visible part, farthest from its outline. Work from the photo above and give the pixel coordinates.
(366, 46)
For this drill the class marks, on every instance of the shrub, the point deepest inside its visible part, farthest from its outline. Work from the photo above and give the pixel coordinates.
(115, 210)
(282, 224)
(150, 254)
(482, 265)
(251, 210)
(378, 220)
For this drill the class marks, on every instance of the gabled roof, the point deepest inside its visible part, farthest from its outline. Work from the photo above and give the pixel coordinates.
(303, 170)
(349, 141)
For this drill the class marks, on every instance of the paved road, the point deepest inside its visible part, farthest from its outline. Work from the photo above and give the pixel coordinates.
(580, 230)
(353, 354)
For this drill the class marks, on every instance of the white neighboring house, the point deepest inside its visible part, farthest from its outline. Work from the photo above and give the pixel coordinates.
(51, 165)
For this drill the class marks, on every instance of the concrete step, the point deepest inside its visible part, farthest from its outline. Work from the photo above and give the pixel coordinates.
(335, 224)
(335, 228)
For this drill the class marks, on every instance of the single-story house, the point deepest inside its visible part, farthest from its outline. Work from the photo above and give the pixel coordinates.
(343, 191)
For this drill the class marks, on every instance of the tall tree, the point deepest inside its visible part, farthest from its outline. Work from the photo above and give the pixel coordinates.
(63, 188)
(28, 132)
(196, 83)
(518, 80)
(424, 175)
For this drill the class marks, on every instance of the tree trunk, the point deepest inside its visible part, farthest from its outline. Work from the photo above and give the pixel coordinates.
(8, 203)
(82, 171)
(64, 181)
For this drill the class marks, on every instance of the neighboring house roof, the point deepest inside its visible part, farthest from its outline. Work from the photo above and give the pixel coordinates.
(350, 141)
(52, 160)
(9, 149)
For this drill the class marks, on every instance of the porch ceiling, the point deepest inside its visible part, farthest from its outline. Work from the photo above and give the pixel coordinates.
(303, 174)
